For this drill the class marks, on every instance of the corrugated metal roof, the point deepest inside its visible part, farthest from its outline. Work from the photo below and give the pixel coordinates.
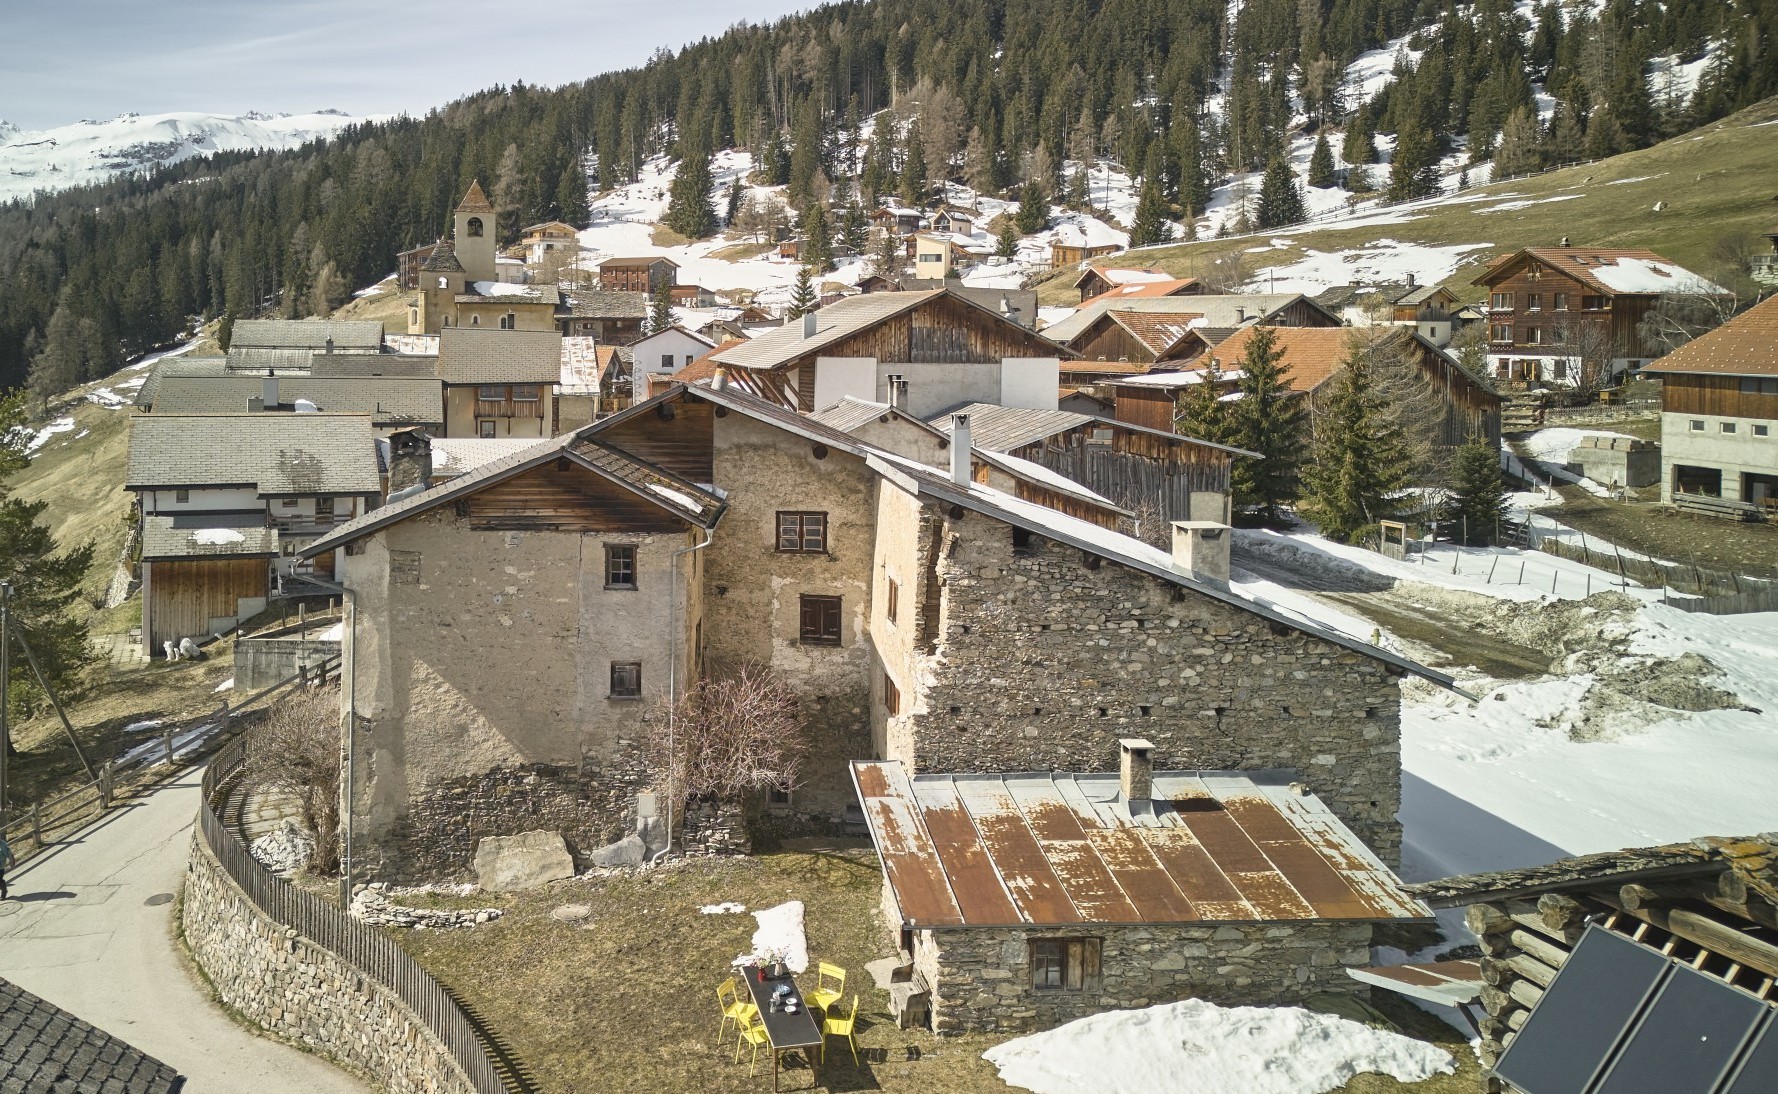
(305, 334)
(1052, 849)
(206, 535)
(1450, 983)
(486, 355)
(276, 454)
(398, 401)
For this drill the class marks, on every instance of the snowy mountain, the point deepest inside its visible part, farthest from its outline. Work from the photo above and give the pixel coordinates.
(89, 151)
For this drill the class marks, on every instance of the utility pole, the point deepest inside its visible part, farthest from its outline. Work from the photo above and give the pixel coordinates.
(5, 681)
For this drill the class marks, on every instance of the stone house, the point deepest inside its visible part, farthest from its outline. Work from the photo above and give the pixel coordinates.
(1025, 900)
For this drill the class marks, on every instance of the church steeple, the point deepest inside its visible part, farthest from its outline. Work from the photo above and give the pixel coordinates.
(475, 201)
(475, 225)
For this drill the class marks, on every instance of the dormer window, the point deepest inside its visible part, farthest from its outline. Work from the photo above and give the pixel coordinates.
(474, 227)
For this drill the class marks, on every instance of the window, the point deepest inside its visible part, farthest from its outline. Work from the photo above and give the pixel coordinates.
(474, 226)
(891, 696)
(1500, 332)
(666, 362)
(484, 428)
(324, 507)
(777, 795)
(491, 393)
(626, 679)
(1560, 301)
(1534, 336)
(620, 566)
(802, 533)
(508, 321)
(1762, 431)
(1533, 301)
(444, 282)
(1561, 370)
(287, 503)
(1592, 303)
(475, 320)
(1697, 425)
(1728, 427)
(182, 496)
(820, 620)
(524, 393)
(892, 601)
(1753, 386)
(1065, 964)
(1500, 301)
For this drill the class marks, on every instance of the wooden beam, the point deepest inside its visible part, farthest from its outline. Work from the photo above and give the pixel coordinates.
(1713, 934)
(1560, 912)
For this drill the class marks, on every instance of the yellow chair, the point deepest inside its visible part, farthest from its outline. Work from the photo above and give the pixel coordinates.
(734, 1008)
(841, 1027)
(830, 984)
(754, 1033)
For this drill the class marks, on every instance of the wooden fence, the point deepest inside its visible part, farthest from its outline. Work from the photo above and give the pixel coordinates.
(1688, 588)
(366, 949)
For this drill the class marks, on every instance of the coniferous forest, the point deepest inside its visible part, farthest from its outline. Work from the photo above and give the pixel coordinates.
(1004, 92)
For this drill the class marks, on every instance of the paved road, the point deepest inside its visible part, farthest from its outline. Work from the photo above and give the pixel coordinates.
(89, 928)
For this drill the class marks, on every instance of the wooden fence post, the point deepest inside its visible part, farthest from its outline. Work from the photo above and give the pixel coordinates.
(37, 823)
(105, 786)
(167, 740)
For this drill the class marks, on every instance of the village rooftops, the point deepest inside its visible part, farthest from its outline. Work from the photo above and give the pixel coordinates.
(1122, 275)
(1056, 849)
(1311, 354)
(312, 334)
(388, 401)
(1182, 379)
(1007, 428)
(1145, 290)
(1746, 345)
(177, 366)
(1231, 310)
(851, 413)
(634, 262)
(276, 455)
(1612, 271)
(184, 536)
(607, 304)
(485, 355)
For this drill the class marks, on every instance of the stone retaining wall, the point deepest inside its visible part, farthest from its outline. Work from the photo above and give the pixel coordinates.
(981, 977)
(304, 993)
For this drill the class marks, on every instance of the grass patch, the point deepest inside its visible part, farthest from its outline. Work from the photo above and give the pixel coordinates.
(388, 306)
(739, 252)
(663, 236)
(79, 474)
(630, 991)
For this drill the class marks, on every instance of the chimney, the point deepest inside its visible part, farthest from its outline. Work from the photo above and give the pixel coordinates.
(410, 460)
(271, 393)
(960, 450)
(719, 382)
(1240, 315)
(898, 393)
(1201, 551)
(1135, 770)
(1410, 281)
(808, 324)
(329, 346)
(255, 404)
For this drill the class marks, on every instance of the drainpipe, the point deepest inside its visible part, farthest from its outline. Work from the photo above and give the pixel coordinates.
(351, 688)
(673, 685)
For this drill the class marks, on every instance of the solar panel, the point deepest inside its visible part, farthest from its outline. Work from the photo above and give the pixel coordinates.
(1759, 1068)
(1686, 1039)
(1582, 1016)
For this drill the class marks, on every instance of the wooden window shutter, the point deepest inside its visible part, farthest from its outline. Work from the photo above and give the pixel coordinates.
(1089, 964)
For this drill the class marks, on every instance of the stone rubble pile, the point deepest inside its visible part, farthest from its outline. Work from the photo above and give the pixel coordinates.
(371, 905)
(284, 849)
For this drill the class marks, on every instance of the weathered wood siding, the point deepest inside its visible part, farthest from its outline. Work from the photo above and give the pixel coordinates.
(1718, 395)
(1105, 340)
(184, 596)
(1151, 407)
(944, 330)
(1137, 471)
(562, 496)
(682, 444)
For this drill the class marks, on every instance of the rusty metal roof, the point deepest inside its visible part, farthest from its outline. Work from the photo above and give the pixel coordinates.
(1448, 982)
(1053, 849)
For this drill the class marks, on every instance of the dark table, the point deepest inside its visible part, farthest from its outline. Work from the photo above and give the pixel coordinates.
(788, 1032)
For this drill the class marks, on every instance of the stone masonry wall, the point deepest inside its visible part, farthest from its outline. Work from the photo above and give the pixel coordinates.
(981, 977)
(1047, 657)
(302, 992)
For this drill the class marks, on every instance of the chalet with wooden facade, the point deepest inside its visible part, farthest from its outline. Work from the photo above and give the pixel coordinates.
(614, 318)
(1719, 411)
(1083, 240)
(1569, 316)
(499, 383)
(1143, 331)
(1144, 283)
(643, 274)
(1430, 309)
(706, 527)
(222, 498)
(541, 242)
(1651, 968)
(947, 346)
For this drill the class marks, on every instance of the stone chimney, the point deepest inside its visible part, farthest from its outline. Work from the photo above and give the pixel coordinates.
(719, 382)
(808, 324)
(410, 460)
(1135, 770)
(1240, 314)
(329, 346)
(960, 450)
(1201, 551)
(271, 393)
(898, 393)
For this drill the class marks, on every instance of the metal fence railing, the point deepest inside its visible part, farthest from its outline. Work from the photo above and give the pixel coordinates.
(374, 954)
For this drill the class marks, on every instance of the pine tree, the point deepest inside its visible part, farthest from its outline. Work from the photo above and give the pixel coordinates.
(1271, 420)
(1034, 211)
(225, 330)
(1360, 460)
(855, 228)
(688, 200)
(887, 256)
(1280, 202)
(1150, 223)
(571, 203)
(803, 297)
(1201, 411)
(1413, 169)
(660, 308)
(1008, 244)
(818, 241)
(1478, 496)
(1360, 145)
(1321, 164)
(1520, 151)
(734, 203)
(913, 168)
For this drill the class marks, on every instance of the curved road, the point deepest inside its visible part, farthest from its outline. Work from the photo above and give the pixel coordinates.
(90, 928)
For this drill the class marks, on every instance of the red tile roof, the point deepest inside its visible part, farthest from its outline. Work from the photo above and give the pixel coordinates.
(1313, 354)
(1746, 345)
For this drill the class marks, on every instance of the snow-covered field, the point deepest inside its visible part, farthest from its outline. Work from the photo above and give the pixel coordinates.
(90, 151)
(1198, 1046)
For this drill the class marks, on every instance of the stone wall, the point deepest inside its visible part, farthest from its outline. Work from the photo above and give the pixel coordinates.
(981, 977)
(1047, 656)
(304, 993)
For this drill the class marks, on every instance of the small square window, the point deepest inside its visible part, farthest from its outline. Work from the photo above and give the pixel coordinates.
(891, 696)
(324, 507)
(1697, 425)
(802, 533)
(1561, 301)
(777, 795)
(1762, 431)
(820, 621)
(524, 393)
(626, 679)
(892, 601)
(484, 429)
(620, 566)
(287, 503)
(182, 496)
(1728, 427)
(491, 393)
(1065, 964)
(666, 362)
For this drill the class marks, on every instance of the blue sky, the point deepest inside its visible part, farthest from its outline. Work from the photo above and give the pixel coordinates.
(72, 59)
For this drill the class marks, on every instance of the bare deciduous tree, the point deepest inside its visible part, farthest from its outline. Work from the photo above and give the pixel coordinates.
(734, 733)
(296, 751)
(1679, 317)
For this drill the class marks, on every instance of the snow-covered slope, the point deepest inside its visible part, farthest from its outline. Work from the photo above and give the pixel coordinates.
(89, 151)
